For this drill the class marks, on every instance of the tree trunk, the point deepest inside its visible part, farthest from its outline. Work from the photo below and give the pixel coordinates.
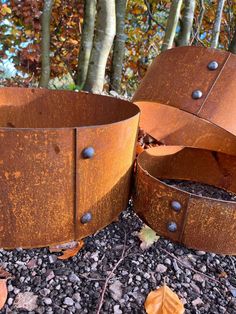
(232, 47)
(184, 37)
(119, 46)
(171, 24)
(86, 41)
(216, 27)
(105, 31)
(45, 44)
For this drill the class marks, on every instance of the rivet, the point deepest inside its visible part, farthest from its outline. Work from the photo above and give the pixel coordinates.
(87, 217)
(176, 206)
(88, 152)
(172, 226)
(197, 94)
(213, 65)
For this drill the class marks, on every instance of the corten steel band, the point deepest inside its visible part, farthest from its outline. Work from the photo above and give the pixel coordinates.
(66, 162)
(195, 221)
(188, 98)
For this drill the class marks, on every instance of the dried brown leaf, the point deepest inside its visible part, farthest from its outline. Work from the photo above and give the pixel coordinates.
(72, 252)
(163, 301)
(3, 292)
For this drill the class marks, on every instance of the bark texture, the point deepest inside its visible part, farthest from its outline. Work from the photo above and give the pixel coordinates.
(172, 24)
(105, 31)
(45, 44)
(86, 41)
(119, 46)
(217, 23)
(232, 47)
(187, 23)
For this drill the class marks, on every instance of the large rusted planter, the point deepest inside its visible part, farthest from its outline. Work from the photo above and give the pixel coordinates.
(65, 164)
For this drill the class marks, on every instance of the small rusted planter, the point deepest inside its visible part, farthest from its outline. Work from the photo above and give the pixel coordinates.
(65, 164)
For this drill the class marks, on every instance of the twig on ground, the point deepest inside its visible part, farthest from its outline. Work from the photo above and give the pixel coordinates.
(123, 255)
(191, 268)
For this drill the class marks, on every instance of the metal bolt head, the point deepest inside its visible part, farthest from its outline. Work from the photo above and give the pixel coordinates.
(172, 226)
(176, 206)
(213, 65)
(87, 217)
(197, 94)
(88, 152)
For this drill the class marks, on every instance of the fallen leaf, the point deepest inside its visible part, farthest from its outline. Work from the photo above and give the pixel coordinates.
(26, 301)
(73, 251)
(147, 236)
(3, 292)
(4, 276)
(163, 301)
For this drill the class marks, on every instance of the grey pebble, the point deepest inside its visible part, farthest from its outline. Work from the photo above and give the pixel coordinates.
(68, 301)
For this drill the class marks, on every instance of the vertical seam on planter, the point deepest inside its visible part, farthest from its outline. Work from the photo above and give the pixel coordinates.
(75, 182)
(184, 221)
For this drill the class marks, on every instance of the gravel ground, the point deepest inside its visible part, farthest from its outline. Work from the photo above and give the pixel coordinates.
(75, 286)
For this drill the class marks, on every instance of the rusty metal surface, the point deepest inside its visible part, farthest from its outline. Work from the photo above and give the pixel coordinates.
(202, 223)
(165, 96)
(46, 183)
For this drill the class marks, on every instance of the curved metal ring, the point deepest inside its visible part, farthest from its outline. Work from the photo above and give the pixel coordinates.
(201, 223)
(47, 184)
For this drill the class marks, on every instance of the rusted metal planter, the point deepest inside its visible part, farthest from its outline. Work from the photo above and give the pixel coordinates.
(65, 164)
(197, 222)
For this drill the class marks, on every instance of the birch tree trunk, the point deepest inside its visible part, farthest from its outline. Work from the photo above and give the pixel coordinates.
(103, 39)
(45, 44)
(172, 24)
(232, 47)
(217, 23)
(86, 41)
(119, 46)
(185, 34)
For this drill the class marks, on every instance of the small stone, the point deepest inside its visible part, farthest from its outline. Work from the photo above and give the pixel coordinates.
(10, 301)
(78, 306)
(116, 290)
(116, 309)
(68, 301)
(195, 287)
(203, 269)
(73, 278)
(44, 292)
(76, 296)
(47, 301)
(161, 268)
(175, 265)
(32, 263)
(52, 258)
(146, 275)
(197, 301)
(50, 275)
(167, 261)
(200, 253)
(138, 278)
(198, 277)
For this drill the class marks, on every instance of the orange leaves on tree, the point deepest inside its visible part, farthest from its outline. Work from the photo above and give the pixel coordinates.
(73, 251)
(5, 10)
(163, 301)
(4, 276)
